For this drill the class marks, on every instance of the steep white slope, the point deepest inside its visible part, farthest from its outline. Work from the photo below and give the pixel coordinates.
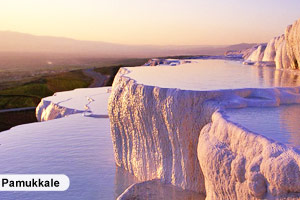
(238, 164)
(282, 60)
(155, 129)
(283, 50)
(153, 138)
(258, 54)
(247, 52)
(271, 49)
(292, 35)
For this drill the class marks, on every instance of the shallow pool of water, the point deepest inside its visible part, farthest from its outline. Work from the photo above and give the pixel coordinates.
(79, 147)
(277, 123)
(213, 75)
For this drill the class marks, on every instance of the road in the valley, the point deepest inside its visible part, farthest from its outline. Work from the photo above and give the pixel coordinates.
(98, 79)
(17, 109)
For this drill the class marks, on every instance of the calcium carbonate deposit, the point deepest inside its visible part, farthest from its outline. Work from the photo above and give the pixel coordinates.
(283, 51)
(188, 128)
(157, 114)
(168, 124)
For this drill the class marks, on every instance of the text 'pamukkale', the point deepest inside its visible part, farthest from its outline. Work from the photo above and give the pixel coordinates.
(34, 182)
(30, 183)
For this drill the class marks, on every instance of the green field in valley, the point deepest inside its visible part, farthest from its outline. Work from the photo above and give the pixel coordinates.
(30, 94)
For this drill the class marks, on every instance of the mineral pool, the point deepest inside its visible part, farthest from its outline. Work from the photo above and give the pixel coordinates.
(205, 75)
(278, 123)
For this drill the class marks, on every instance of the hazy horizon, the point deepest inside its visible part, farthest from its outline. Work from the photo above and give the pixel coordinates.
(28, 43)
(141, 22)
(155, 45)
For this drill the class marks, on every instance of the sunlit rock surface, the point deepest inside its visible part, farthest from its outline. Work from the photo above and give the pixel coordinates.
(238, 164)
(78, 100)
(284, 50)
(258, 54)
(62, 104)
(156, 124)
(292, 36)
(153, 138)
(271, 49)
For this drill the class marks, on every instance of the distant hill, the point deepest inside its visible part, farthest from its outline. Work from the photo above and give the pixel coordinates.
(26, 43)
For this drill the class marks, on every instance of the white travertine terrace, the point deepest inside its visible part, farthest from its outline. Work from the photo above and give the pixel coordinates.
(257, 54)
(272, 47)
(239, 164)
(155, 133)
(62, 104)
(283, 51)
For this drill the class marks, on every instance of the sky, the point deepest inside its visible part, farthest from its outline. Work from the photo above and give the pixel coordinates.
(154, 22)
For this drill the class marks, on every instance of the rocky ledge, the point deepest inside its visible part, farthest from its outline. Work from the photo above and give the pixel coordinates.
(283, 51)
(182, 138)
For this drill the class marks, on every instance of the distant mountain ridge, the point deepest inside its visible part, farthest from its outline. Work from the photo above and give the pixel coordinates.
(27, 43)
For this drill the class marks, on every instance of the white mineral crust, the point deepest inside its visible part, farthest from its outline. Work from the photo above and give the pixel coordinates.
(155, 133)
(238, 164)
(284, 50)
(62, 104)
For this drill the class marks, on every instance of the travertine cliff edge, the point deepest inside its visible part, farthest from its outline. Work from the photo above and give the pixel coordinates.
(283, 51)
(155, 133)
(238, 164)
(258, 54)
(62, 104)
(271, 49)
(292, 37)
(184, 138)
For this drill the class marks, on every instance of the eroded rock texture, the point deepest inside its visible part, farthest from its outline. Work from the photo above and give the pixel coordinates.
(155, 134)
(84, 101)
(292, 36)
(284, 50)
(155, 131)
(257, 54)
(271, 49)
(238, 164)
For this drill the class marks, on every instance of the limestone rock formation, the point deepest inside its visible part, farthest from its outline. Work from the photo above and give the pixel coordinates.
(284, 50)
(292, 36)
(257, 54)
(282, 60)
(62, 104)
(271, 49)
(246, 165)
(155, 134)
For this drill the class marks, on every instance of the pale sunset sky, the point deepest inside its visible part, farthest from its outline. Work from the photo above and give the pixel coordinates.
(155, 22)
